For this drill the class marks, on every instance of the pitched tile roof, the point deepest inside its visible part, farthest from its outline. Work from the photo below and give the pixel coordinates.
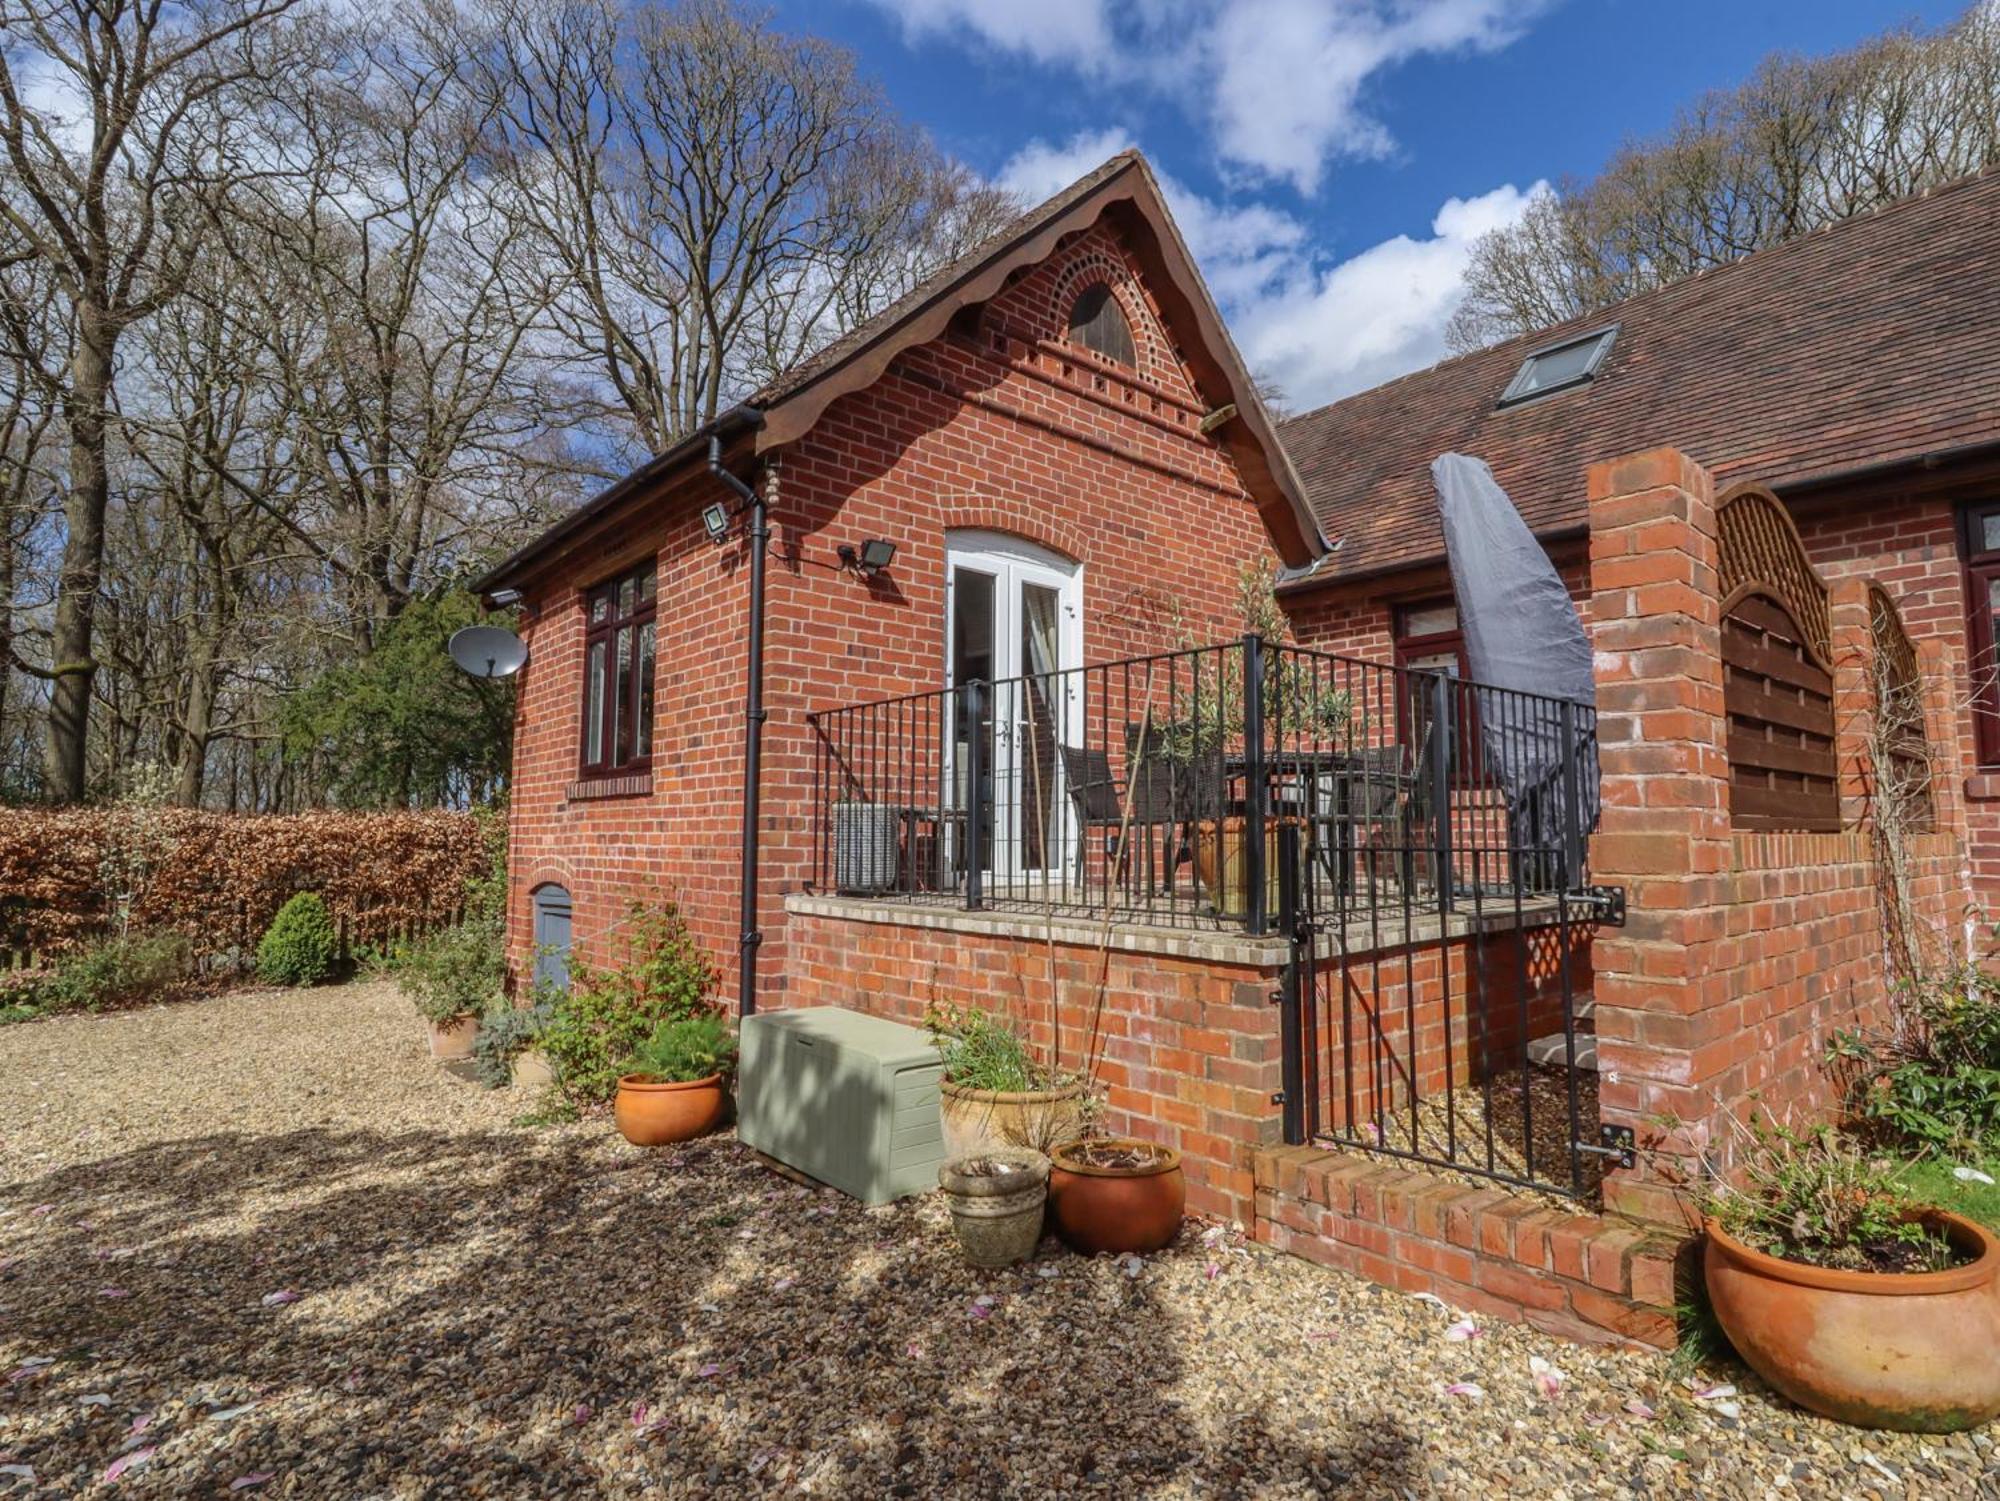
(1873, 339)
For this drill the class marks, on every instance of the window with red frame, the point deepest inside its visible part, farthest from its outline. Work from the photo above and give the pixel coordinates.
(1979, 540)
(1428, 639)
(618, 675)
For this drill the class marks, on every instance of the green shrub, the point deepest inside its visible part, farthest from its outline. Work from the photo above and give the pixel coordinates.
(981, 1051)
(1816, 1196)
(456, 971)
(1932, 1079)
(462, 970)
(505, 1032)
(608, 1013)
(301, 945)
(116, 972)
(682, 1051)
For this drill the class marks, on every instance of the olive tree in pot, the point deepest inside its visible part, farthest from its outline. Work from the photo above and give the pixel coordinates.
(672, 1087)
(995, 1092)
(996, 1198)
(1846, 1295)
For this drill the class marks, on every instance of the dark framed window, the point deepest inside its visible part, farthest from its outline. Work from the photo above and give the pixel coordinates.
(1098, 324)
(618, 674)
(1979, 545)
(1429, 639)
(1557, 367)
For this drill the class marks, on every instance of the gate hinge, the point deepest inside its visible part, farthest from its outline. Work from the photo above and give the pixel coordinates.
(1277, 998)
(1277, 1097)
(1613, 1141)
(1606, 904)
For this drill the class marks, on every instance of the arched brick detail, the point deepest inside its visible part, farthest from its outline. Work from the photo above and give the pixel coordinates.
(1000, 514)
(558, 874)
(1094, 261)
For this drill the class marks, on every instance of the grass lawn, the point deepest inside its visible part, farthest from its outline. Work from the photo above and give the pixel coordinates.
(1932, 1180)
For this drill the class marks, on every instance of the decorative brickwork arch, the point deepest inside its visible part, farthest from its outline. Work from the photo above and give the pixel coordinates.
(1897, 689)
(1097, 263)
(984, 513)
(1777, 633)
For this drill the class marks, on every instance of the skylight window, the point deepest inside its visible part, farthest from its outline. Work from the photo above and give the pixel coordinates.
(1556, 367)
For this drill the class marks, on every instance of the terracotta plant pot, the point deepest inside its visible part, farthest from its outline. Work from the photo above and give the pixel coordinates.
(452, 1040)
(986, 1120)
(1911, 1351)
(996, 1199)
(1222, 863)
(651, 1113)
(531, 1069)
(1096, 1206)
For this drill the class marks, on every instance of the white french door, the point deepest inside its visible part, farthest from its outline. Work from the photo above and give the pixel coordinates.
(1014, 620)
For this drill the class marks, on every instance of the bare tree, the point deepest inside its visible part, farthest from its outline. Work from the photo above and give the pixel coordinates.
(1803, 142)
(711, 199)
(113, 186)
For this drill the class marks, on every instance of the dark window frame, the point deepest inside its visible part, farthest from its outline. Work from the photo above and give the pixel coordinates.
(603, 674)
(1409, 648)
(1981, 570)
(1518, 390)
(1080, 331)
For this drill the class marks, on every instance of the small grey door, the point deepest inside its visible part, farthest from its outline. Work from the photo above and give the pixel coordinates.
(552, 937)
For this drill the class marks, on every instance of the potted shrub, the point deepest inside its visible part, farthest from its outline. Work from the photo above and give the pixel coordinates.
(1845, 1295)
(996, 1199)
(453, 976)
(995, 1093)
(672, 1087)
(1116, 1193)
(505, 1052)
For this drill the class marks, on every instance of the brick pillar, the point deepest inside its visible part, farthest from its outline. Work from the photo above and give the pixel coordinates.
(1663, 833)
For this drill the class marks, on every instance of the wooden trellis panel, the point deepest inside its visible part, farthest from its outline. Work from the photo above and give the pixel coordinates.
(1899, 715)
(1777, 671)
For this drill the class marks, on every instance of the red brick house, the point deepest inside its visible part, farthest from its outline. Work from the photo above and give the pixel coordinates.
(1294, 900)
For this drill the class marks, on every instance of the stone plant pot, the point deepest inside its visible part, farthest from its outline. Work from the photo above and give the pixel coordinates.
(1910, 1351)
(452, 1040)
(1115, 1193)
(531, 1069)
(996, 1198)
(655, 1113)
(985, 1120)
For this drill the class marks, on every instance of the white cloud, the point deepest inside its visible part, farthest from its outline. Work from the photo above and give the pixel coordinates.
(1050, 31)
(1278, 85)
(1321, 330)
(1326, 332)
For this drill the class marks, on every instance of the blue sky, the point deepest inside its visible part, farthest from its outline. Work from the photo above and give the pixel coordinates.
(1330, 160)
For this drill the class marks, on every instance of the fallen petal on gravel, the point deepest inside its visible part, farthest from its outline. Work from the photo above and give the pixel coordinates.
(280, 1298)
(1464, 1329)
(125, 1462)
(1471, 1390)
(254, 1479)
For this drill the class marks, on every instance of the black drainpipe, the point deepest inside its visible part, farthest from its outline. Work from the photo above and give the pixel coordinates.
(753, 714)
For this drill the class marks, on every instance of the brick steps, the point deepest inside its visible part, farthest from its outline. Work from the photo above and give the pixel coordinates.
(1593, 1278)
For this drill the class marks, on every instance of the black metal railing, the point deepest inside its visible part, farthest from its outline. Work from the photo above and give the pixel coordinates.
(1421, 839)
(1151, 788)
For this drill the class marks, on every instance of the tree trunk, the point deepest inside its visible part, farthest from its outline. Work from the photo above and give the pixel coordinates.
(197, 722)
(82, 559)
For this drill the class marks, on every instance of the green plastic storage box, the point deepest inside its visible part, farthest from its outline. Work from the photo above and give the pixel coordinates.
(846, 1098)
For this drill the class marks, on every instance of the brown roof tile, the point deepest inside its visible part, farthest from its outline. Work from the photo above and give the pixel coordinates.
(1874, 339)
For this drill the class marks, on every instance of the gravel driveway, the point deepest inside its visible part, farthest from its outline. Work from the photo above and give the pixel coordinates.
(262, 1242)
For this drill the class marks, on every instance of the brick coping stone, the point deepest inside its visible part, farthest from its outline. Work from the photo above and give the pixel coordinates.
(1593, 1278)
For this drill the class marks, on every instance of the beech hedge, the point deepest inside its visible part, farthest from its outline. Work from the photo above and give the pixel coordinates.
(218, 879)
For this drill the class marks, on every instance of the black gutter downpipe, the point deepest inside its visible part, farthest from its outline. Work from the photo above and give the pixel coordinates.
(753, 718)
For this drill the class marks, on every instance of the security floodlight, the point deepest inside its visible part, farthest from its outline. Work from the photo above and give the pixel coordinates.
(715, 521)
(504, 599)
(870, 558)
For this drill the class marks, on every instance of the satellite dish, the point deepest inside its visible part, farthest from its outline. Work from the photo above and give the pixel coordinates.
(486, 651)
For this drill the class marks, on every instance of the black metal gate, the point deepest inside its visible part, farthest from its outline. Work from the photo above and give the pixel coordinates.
(1430, 842)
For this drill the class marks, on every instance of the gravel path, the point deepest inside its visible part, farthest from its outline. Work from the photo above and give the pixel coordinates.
(262, 1242)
